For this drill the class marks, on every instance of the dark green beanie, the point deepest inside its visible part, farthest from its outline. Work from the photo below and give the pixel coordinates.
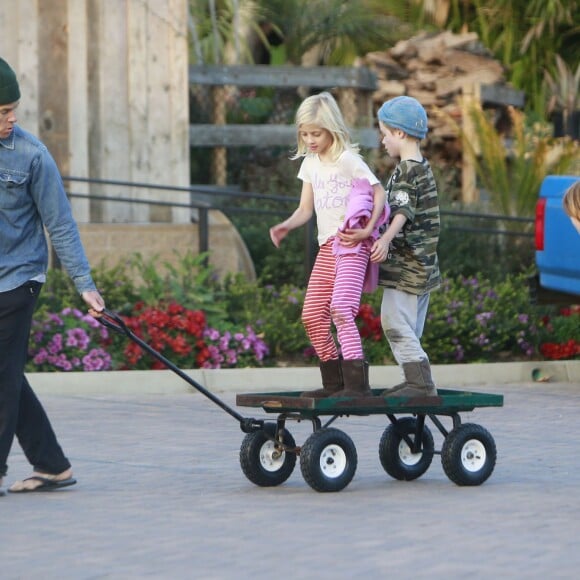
(9, 90)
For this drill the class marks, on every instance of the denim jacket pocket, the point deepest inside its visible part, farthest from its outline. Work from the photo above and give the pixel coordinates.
(12, 188)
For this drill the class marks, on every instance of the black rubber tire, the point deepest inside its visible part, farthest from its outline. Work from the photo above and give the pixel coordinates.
(328, 460)
(256, 459)
(395, 455)
(468, 454)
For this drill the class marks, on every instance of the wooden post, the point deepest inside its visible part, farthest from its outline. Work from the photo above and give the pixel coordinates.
(53, 82)
(78, 114)
(469, 191)
(348, 106)
(219, 154)
(53, 77)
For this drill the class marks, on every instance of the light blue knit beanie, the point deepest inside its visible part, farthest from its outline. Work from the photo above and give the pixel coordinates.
(405, 113)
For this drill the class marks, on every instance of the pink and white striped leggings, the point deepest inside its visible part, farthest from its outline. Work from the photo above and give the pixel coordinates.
(333, 295)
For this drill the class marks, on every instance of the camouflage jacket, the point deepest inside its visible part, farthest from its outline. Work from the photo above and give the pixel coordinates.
(412, 265)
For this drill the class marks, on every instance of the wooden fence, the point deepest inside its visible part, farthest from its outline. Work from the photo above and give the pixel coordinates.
(353, 86)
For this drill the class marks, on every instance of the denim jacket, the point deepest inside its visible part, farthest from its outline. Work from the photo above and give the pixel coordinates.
(32, 198)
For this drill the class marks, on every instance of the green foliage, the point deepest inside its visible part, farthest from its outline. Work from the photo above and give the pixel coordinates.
(113, 282)
(564, 88)
(471, 320)
(482, 252)
(525, 35)
(512, 173)
(251, 106)
(561, 324)
(276, 313)
(190, 282)
(274, 176)
(58, 291)
(217, 30)
(286, 265)
(336, 30)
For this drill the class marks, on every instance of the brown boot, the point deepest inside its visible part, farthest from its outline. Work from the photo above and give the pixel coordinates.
(355, 374)
(418, 381)
(331, 373)
(397, 387)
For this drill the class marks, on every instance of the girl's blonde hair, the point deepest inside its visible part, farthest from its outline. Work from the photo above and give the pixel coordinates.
(571, 201)
(323, 111)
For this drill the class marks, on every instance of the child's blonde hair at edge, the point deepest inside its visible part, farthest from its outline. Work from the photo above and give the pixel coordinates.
(323, 111)
(571, 201)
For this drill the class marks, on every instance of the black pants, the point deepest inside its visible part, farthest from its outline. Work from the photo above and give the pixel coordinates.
(21, 413)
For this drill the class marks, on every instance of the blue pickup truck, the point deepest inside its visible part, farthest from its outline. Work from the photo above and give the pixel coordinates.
(557, 244)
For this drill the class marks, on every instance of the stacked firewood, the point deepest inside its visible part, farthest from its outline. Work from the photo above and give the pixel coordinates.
(437, 70)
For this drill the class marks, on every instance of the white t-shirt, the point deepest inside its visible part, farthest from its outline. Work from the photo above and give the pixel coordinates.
(331, 183)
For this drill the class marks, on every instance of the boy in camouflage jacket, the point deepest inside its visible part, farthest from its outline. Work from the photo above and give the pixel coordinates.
(407, 250)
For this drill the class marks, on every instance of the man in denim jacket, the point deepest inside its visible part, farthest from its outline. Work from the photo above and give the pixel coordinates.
(32, 198)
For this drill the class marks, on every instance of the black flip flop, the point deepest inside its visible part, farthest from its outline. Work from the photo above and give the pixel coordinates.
(46, 484)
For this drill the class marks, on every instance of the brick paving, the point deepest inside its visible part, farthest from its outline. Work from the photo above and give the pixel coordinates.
(161, 495)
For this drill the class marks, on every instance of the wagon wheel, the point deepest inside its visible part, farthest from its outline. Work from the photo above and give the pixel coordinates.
(468, 454)
(328, 460)
(395, 454)
(263, 461)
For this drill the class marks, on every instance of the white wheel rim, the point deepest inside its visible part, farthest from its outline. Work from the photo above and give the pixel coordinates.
(271, 459)
(333, 461)
(473, 455)
(406, 456)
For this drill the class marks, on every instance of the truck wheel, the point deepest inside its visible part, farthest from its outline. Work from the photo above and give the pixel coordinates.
(468, 454)
(395, 454)
(328, 460)
(262, 461)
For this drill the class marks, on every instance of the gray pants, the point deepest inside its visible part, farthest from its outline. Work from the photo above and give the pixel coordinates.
(403, 318)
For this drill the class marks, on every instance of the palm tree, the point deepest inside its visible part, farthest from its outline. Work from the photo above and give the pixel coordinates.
(526, 35)
(222, 31)
(564, 97)
(335, 32)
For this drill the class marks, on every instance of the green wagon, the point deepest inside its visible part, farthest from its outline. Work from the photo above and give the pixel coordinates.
(328, 457)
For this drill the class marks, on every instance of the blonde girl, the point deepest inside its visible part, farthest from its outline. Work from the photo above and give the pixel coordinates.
(330, 163)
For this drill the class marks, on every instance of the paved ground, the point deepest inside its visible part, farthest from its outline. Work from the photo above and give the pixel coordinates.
(161, 495)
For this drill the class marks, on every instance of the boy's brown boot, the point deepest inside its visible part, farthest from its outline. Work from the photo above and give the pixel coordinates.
(331, 373)
(355, 374)
(418, 381)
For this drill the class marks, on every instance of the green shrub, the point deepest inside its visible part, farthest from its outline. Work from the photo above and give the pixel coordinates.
(114, 283)
(471, 319)
(275, 313)
(191, 282)
(560, 333)
(467, 253)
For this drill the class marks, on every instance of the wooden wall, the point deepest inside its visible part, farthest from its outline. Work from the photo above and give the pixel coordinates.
(105, 85)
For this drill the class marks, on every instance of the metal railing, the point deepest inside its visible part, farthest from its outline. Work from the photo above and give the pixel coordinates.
(202, 200)
(205, 198)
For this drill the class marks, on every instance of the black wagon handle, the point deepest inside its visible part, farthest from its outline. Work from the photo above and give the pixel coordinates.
(115, 323)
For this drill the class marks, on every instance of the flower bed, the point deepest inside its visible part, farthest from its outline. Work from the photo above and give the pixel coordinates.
(243, 324)
(68, 341)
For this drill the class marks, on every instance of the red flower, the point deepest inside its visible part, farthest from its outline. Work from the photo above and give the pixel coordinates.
(173, 331)
(559, 351)
(370, 323)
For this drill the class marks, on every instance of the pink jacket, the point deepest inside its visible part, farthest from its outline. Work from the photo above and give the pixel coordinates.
(359, 208)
